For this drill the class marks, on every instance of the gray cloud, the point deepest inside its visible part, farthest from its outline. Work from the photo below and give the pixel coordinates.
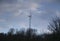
(14, 13)
(8, 1)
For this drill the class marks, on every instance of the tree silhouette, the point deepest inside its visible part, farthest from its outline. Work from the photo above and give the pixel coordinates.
(30, 32)
(11, 31)
(55, 25)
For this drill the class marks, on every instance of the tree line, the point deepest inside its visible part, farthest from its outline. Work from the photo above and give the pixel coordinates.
(31, 35)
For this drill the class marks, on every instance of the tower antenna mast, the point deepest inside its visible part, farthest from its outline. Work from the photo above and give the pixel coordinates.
(30, 16)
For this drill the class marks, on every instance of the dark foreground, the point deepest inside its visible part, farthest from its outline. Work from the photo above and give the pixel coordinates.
(29, 35)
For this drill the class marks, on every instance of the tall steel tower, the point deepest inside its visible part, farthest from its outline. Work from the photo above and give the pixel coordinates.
(30, 17)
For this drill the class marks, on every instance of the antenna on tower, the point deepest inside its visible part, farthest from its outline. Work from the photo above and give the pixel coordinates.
(30, 16)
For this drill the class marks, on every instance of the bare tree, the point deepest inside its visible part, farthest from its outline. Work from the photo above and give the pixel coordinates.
(54, 26)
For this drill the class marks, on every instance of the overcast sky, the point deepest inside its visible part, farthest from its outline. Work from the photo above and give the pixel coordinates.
(14, 14)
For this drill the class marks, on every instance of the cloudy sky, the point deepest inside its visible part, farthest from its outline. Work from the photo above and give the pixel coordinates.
(14, 14)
